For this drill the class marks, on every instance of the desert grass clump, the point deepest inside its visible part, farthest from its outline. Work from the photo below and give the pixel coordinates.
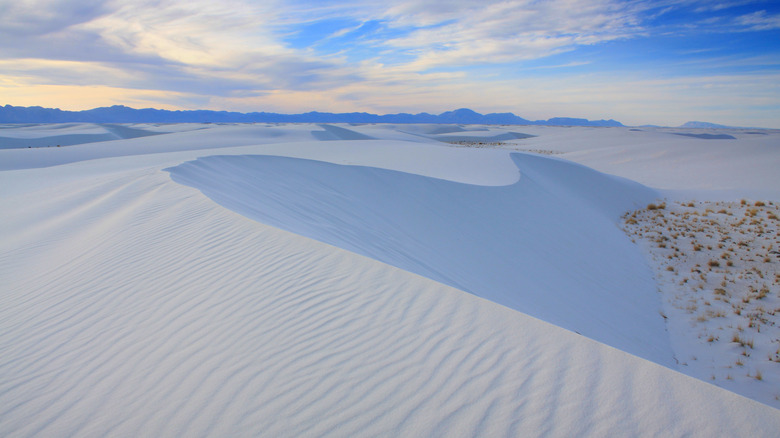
(742, 342)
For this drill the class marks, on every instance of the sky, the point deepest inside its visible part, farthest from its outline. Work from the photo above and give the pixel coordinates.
(640, 62)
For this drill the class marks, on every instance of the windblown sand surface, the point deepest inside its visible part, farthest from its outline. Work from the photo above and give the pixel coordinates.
(377, 281)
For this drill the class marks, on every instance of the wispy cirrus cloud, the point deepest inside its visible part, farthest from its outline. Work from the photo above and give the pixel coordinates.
(721, 5)
(41, 17)
(450, 33)
(759, 20)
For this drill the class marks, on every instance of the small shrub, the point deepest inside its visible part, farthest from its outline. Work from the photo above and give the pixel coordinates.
(713, 263)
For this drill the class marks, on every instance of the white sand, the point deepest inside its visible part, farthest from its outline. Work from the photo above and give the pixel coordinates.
(136, 306)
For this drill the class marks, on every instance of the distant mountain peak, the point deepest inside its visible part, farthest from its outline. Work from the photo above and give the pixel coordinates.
(462, 111)
(703, 125)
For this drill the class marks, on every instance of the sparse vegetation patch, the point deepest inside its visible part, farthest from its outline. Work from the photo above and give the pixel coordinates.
(719, 274)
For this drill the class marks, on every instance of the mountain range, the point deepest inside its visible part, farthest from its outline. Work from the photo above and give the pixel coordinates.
(123, 114)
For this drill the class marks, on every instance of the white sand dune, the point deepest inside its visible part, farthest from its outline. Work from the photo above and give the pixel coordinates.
(132, 305)
(197, 137)
(480, 136)
(333, 132)
(507, 244)
(65, 134)
(684, 167)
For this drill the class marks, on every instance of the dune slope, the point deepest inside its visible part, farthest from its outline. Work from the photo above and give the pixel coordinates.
(134, 306)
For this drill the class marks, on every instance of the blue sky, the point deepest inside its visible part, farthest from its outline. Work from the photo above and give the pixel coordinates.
(640, 62)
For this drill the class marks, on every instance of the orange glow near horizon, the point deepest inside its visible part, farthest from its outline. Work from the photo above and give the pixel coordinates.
(78, 98)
